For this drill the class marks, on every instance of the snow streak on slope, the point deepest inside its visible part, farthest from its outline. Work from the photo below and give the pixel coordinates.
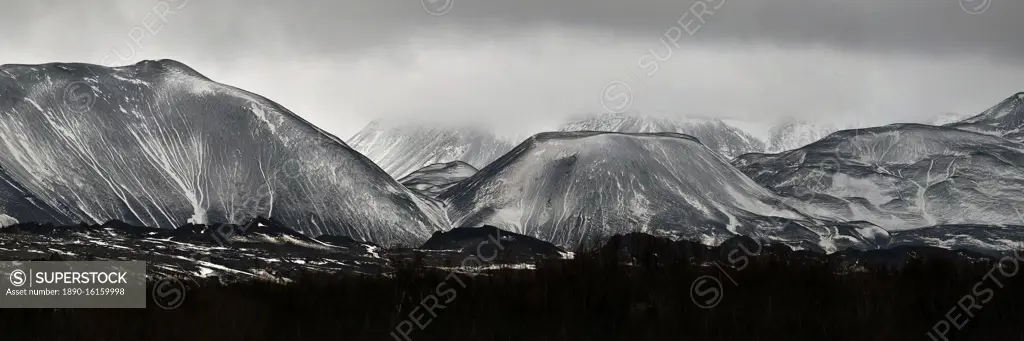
(16, 201)
(401, 149)
(158, 144)
(900, 176)
(436, 178)
(1005, 119)
(569, 186)
(716, 134)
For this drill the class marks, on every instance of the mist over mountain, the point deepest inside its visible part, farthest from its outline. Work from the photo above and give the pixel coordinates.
(158, 144)
(715, 134)
(401, 148)
(793, 134)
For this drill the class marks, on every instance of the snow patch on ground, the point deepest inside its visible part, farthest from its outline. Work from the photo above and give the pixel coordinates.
(6, 220)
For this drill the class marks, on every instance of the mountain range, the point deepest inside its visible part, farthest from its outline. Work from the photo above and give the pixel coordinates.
(402, 147)
(900, 176)
(158, 144)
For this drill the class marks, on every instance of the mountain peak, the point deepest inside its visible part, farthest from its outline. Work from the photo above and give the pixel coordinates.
(92, 70)
(717, 135)
(170, 65)
(1005, 119)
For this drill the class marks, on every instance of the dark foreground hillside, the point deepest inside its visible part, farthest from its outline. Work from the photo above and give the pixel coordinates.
(654, 291)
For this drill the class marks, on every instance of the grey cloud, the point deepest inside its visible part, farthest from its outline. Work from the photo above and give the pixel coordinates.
(236, 27)
(902, 26)
(530, 62)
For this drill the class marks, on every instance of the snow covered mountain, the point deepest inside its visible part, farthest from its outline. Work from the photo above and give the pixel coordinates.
(566, 187)
(401, 148)
(1005, 119)
(436, 178)
(715, 134)
(158, 144)
(946, 119)
(793, 134)
(900, 176)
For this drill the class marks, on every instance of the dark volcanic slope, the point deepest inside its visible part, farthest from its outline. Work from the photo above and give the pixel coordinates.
(158, 144)
(489, 242)
(570, 186)
(900, 176)
(16, 201)
(436, 178)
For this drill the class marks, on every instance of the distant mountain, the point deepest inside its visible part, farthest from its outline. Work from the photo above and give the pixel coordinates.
(158, 144)
(947, 118)
(401, 148)
(436, 178)
(900, 176)
(717, 135)
(569, 187)
(793, 134)
(1005, 119)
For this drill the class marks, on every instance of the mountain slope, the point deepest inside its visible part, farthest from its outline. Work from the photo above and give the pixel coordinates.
(401, 148)
(715, 134)
(158, 144)
(567, 187)
(436, 178)
(900, 176)
(1005, 119)
(16, 201)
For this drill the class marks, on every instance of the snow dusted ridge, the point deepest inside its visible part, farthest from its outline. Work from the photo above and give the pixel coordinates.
(401, 148)
(158, 144)
(1005, 119)
(900, 176)
(436, 178)
(715, 134)
(565, 187)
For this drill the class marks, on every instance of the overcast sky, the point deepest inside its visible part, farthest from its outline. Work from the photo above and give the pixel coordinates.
(527, 64)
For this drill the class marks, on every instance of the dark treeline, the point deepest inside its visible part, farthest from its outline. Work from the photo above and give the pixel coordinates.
(643, 293)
